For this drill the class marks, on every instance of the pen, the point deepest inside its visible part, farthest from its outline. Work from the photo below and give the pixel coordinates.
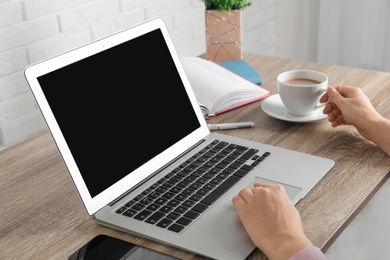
(226, 126)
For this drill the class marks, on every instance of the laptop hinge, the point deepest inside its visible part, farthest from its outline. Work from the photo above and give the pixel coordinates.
(157, 172)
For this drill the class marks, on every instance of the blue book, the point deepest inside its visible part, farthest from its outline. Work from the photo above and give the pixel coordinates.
(242, 68)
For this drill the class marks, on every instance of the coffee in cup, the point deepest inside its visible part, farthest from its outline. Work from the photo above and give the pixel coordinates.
(301, 90)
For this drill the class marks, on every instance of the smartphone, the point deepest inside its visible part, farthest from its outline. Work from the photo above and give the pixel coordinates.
(103, 247)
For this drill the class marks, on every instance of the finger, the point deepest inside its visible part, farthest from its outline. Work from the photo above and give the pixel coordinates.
(261, 184)
(331, 118)
(335, 123)
(236, 200)
(338, 94)
(343, 91)
(336, 118)
(336, 112)
(245, 194)
(324, 98)
(338, 121)
(328, 108)
(341, 120)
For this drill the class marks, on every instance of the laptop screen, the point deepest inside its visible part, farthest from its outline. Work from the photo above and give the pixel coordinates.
(117, 109)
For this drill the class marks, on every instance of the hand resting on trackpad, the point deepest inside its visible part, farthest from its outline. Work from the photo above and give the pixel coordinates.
(291, 191)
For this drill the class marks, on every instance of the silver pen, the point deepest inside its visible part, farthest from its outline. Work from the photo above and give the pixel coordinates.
(226, 126)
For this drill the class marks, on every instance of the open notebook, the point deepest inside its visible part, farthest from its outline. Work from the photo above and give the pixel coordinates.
(140, 165)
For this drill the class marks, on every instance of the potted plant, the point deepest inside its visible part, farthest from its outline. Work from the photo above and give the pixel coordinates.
(226, 5)
(223, 29)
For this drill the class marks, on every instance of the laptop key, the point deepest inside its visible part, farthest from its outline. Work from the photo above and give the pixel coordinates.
(176, 228)
(247, 167)
(155, 217)
(153, 207)
(202, 192)
(121, 210)
(184, 221)
(192, 214)
(164, 223)
(173, 203)
(180, 209)
(199, 208)
(240, 173)
(220, 190)
(138, 206)
(248, 154)
(166, 208)
(143, 214)
(130, 213)
(173, 215)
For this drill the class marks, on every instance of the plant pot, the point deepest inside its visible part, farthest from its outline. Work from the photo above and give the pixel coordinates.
(223, 35)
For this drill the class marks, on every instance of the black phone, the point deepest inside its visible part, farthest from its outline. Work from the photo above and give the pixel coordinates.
(103, 247)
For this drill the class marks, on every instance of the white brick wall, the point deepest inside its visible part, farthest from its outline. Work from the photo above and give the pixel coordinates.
(32, 30)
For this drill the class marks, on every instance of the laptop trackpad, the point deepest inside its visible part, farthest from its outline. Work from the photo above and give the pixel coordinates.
(291, 191)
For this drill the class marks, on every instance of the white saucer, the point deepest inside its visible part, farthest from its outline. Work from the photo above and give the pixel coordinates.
(273, 106)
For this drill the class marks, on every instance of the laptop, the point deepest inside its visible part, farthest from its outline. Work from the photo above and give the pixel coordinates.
(138, 149)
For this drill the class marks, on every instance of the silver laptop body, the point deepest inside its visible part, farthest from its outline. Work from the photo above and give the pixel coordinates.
(124, 117)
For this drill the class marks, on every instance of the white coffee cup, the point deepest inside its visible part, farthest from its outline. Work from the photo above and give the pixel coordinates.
(301, 90)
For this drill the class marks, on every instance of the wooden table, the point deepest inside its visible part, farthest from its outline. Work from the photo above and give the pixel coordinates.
(42, 216)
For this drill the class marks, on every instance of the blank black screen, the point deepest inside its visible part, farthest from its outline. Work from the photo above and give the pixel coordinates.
(119, 108)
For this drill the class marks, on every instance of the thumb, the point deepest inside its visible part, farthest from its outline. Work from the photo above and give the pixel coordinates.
(334, 95)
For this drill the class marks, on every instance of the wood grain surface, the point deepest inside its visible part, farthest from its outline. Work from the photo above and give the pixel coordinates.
(42, 216)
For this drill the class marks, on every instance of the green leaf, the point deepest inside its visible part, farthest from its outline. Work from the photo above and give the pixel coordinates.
(226, 5)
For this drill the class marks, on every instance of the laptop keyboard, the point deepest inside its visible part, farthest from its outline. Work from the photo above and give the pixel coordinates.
(177, 199)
